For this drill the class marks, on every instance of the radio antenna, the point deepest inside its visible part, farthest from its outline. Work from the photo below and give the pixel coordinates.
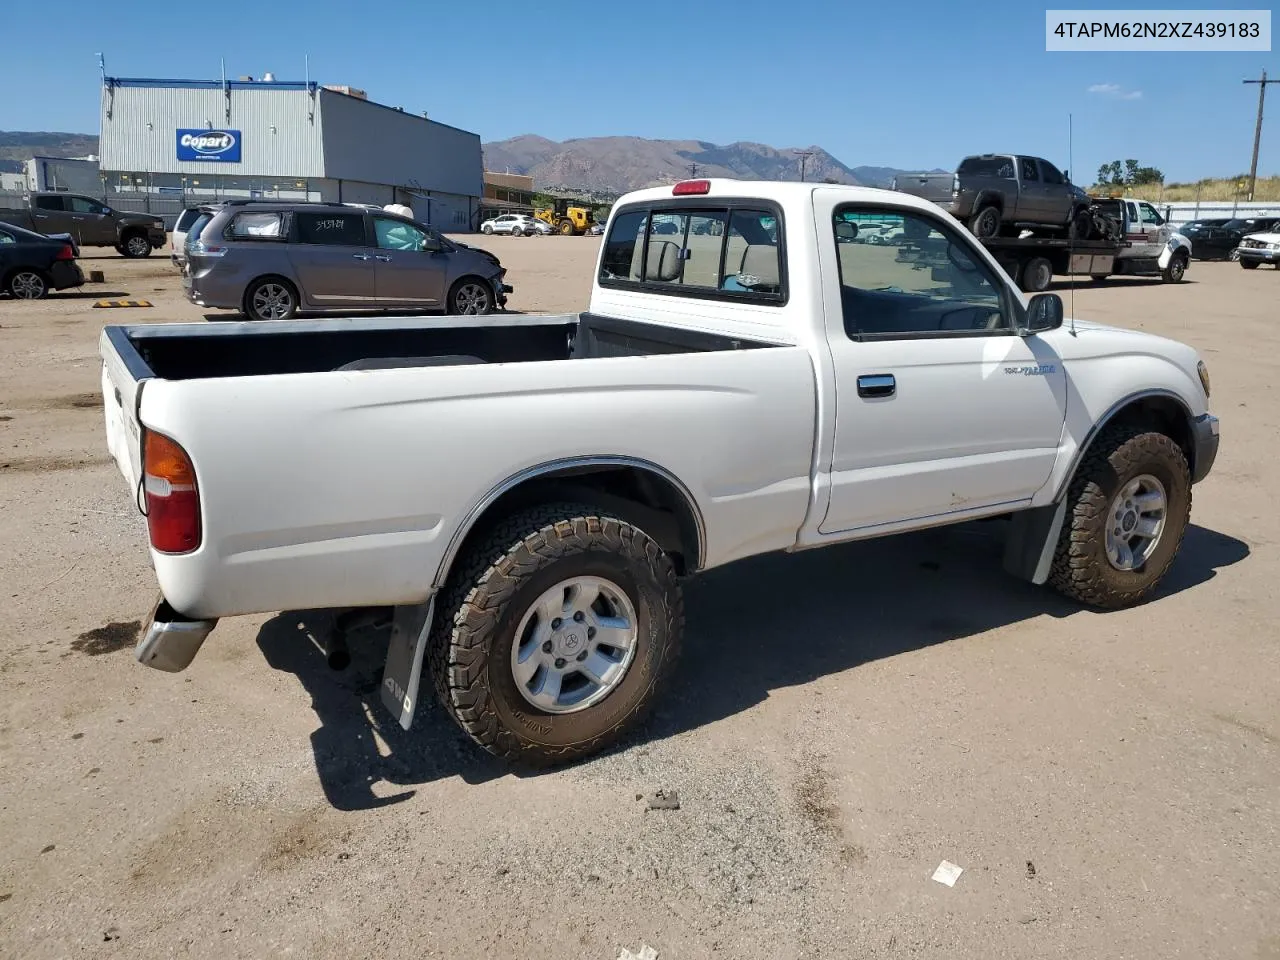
(1071, 249)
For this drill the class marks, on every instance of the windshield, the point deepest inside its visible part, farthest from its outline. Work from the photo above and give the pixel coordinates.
(1248, 226)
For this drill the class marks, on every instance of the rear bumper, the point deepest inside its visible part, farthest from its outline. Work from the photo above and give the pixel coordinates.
(64, 274)
(158, 238)
(1204, 436)
(170, 641)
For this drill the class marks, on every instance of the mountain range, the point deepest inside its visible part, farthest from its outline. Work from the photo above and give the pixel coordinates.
(618, 164)
(593, 165)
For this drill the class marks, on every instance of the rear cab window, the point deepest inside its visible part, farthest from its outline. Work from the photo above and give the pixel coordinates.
(1001, 167)
(721, 250)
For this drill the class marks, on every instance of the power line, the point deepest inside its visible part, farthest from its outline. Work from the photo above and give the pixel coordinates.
(804, 156)
(1257, 130)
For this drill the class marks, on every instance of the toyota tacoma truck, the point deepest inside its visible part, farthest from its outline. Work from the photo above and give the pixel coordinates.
(518, 498)
(91, 223)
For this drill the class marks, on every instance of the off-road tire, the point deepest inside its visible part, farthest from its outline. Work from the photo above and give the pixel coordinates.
(1249, 264)
(1080, 568)
(488, 593)
(986, 223)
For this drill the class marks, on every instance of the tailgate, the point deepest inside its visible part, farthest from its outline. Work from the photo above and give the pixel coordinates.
(123, 374)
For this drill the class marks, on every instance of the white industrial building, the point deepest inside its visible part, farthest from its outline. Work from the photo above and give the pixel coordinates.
(300, 140)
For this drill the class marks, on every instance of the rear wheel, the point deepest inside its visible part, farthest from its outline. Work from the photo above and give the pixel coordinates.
(1249, 264)
(471, 296)
(1037, 273)
(271, 298)
(135, 245)
(985, 223)
(553, 633)
(28, 285)
(1127, 510)
(1099, 277)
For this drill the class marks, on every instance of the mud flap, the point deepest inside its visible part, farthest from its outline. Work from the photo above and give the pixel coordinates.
(405, 655)
(1028, 553)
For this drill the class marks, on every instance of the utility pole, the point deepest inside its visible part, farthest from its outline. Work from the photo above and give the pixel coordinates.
(1257, 130)
(693, 170)
(804, 156)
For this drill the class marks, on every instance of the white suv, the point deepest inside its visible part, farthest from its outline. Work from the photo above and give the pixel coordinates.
(516, 224)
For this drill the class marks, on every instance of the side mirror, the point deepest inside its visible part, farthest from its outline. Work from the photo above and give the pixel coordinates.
(1066, 175)
(431, 245)
(1044, 312)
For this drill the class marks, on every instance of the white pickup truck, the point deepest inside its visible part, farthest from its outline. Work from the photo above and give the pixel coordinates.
(520, 496)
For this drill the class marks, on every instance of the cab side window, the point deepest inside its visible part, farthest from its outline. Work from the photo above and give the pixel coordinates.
(1029, 169)
(1149, 215)
(919, 279)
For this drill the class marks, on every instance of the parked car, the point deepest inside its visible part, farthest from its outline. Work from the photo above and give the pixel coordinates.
(519, 498)
(998, 194)
(515, 224)
(272, 260)
(181, 227)
(1223, 241)
(1259, 248)
(596, 229)
(91, 222)
(32, 264)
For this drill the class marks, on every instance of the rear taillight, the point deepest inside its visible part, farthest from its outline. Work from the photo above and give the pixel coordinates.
(173, 500)
(65, 253)
(955, 185)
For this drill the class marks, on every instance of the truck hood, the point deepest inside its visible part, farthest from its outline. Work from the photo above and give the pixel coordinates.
(1095, 339)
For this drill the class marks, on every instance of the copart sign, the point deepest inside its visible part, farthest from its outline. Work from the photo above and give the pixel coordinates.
(209, 146)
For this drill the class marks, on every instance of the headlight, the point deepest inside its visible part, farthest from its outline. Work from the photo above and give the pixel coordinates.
(1204, 377)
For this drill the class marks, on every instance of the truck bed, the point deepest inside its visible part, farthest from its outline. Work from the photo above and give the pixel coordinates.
(195, 351)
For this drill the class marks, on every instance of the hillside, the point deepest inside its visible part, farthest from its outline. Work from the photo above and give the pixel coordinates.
(18, 146)
(617, 164)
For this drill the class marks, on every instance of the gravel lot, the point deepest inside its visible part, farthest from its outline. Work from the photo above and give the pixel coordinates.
(1109, 783)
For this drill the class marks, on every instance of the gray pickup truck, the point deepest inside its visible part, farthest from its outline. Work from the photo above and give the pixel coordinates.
(999, 193)
(89, 222)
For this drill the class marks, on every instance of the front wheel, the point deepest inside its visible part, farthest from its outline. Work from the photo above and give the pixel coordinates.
(1127, 509)
(1081, 225)
(1234, 255)
(486, 229)
(28, 285)
(135, 246)
(554, 632)
(471, 297)
(1176, 269)
(1249, 264)
(566, 228)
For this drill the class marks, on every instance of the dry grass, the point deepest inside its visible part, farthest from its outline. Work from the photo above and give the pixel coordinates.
(1268, 189)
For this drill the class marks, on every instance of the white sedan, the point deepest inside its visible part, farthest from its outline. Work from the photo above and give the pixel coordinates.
(516, 224)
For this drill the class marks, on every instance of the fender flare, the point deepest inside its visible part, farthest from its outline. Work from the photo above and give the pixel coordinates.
(1033, 538)
(547, 468)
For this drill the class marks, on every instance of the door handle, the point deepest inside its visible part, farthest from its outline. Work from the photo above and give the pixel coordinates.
(877, 385)
(361, 256)
(383, 259)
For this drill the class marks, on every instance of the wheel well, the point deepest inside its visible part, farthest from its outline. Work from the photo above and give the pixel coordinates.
(653, 502)
(4, 281)
(461, 280)
(1163, 413)
(989, 200)
(248, 287)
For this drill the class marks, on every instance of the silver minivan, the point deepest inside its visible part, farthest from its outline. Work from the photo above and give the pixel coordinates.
(273, 260)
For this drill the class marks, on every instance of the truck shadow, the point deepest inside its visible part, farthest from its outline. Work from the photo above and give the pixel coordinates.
(752, 627)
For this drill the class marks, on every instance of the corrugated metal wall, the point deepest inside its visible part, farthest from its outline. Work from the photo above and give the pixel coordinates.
(376, 144)
(293, 149)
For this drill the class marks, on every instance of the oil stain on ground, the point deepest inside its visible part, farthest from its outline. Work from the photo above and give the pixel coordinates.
(108, 639)
(818, 806)
(51, 464)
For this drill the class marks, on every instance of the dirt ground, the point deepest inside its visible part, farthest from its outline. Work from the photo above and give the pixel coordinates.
(841, 722)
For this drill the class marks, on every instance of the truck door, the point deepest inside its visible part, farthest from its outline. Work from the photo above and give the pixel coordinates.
(940, 407)
(1058, 199)
(91, 222)
(48, 214)
(1152, 228)
(1032, 203)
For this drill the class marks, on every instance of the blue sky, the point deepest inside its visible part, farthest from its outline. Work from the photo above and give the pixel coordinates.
(913, 84)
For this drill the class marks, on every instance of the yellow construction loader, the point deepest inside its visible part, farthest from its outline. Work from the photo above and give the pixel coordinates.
(566, 218)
